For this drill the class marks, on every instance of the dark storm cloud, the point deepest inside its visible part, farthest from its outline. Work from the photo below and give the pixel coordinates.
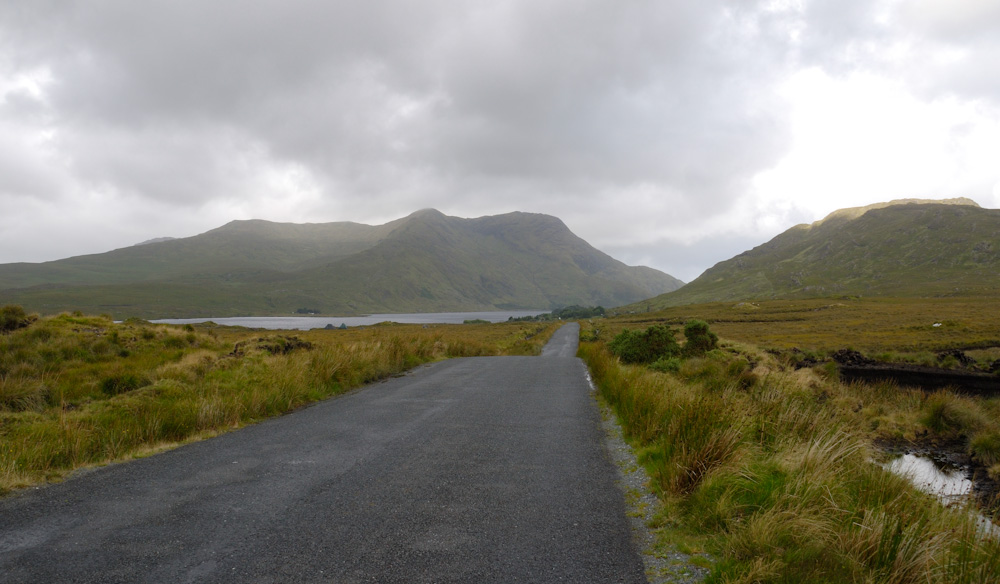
(561, 91)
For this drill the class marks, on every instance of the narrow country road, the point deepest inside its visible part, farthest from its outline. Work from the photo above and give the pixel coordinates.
(486, 469)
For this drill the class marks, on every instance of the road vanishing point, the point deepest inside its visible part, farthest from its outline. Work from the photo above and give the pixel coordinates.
(485, 469)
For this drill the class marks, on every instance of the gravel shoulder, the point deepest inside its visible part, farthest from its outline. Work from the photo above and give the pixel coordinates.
(663, 564)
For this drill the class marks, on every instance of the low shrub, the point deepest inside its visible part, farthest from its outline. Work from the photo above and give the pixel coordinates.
(13, 317)
(700, 340)
(654, 343)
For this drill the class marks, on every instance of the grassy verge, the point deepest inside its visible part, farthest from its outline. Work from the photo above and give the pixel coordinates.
(78, 391)
(771, 470)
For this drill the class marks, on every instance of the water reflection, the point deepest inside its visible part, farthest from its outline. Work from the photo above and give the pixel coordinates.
(311, 322)
(950, 484)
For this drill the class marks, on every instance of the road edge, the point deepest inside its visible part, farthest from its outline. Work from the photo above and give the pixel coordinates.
(662, 566)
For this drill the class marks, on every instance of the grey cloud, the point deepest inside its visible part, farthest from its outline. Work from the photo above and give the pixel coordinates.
(970, 32)
(839, 34)
(387, 107)
(669, 93)
(906, 40)
(957, 22)
(685, 260)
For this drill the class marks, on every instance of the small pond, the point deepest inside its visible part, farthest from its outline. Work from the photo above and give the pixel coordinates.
(949, 483)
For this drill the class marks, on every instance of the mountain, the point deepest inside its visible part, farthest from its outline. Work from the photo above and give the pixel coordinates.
(425, 262)
(904, 248)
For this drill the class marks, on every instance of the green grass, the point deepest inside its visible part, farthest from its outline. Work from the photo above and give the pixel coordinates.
(77, 391)
(770, 469)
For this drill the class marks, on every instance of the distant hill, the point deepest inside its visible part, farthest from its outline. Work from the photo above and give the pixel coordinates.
(905, 248)
(424, 262)
(155, 240)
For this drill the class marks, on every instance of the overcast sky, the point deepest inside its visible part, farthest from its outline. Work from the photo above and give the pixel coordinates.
(670, 133)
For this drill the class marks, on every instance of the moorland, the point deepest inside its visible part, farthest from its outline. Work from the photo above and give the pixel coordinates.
(764, 457)
(768, 464)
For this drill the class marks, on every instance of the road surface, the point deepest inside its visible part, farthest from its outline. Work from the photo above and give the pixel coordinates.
(488, 469)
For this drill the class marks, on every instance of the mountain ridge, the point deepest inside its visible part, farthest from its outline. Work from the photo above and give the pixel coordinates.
(426, 262)
(907, 248)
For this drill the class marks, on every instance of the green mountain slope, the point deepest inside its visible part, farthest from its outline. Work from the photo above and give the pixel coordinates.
(235, 248)
(906, 248)
(424, 262)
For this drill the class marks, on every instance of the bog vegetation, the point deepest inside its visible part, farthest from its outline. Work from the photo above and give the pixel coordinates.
(767, 461)
(762, 456)
(78, 390)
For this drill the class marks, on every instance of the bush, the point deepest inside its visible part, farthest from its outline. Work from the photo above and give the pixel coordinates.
(648, 346)
(12, 317)
(700, 340)
(628, 346)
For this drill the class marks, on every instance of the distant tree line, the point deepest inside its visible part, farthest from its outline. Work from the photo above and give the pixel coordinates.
(574, 312)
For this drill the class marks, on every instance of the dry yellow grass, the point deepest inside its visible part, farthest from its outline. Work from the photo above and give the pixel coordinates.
(77, 391)
(771, 468)
(827, 324)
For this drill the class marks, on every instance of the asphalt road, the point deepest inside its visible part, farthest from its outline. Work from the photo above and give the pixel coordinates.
(487, 469)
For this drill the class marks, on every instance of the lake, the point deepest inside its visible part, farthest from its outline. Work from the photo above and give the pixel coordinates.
(313, 322)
